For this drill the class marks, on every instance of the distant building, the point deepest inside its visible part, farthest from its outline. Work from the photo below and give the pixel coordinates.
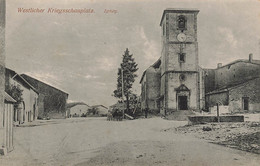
(52, 101)
(27, 111)
(78, 109)
(175, 84)
(99, 109)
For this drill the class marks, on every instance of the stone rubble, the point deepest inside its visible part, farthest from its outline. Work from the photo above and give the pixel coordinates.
(243, 136)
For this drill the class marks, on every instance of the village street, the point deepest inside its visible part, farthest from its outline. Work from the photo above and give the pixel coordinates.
(95, 141)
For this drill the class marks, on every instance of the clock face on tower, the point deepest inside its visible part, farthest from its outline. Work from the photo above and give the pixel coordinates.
(181, 37)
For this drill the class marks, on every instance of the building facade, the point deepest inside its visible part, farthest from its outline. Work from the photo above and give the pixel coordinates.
(51, 101)
(179, 66)
(151, 83)
(177, 71)
(176, 83)
(27, 110)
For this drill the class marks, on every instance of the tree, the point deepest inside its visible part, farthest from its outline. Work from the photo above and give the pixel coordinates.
(16, 93)
(128, 67)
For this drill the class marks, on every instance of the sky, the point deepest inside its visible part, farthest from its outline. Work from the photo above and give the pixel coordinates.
(81, 53)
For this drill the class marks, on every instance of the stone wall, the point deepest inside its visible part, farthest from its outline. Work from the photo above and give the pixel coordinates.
(151, 89)
(209, 119)
(40, 105)
(143, 92)
(201, 95)
(190, 83)
(52, 101)
(163, 95)
(237, 72)
(190, 64)
(209, 80)
(220, 98)
(251, 90)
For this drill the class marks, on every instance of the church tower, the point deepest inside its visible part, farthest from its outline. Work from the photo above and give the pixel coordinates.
(179, 61)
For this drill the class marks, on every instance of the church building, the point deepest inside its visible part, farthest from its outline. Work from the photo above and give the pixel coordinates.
(176, 83)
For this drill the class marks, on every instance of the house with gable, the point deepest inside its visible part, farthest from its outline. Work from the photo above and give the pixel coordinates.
(27, 110)
(99, 110)
(77, 109)
(51, 102)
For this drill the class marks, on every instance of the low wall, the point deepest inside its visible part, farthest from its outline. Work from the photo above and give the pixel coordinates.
(179, 115)
(210, 119)
(222, 110)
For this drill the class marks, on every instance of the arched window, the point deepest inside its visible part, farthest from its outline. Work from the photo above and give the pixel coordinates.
(181, 22)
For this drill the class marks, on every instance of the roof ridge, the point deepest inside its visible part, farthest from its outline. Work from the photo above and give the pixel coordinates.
(48, 84)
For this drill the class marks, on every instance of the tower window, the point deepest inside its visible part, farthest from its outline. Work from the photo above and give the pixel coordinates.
(181, 22)
(182, 57)
(182, 77)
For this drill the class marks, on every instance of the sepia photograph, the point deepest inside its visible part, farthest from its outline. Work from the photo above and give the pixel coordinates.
(129, 83)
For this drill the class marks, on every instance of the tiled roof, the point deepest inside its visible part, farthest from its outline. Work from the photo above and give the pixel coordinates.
(95, 106)
(231, 86)
(47, 84)
(16, 75)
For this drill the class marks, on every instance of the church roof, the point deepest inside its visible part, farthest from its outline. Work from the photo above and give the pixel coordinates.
(155, 65)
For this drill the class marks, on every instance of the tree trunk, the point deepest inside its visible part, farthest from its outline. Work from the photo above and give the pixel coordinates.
(127, 103)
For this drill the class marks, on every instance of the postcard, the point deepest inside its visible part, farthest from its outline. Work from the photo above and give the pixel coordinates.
(133, 82)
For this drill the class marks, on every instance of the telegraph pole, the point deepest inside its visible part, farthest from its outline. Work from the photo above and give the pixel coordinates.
(122, 73)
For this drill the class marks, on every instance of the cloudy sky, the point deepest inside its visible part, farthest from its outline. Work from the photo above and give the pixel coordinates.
(80, 53)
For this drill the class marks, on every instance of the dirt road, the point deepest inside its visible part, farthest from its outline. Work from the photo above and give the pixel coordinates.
(95, 141)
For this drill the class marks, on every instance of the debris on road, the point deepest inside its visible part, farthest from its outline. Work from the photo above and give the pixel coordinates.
(243, 136)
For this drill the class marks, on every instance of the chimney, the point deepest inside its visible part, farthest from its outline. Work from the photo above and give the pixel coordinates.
(219, 65)
(250, 57)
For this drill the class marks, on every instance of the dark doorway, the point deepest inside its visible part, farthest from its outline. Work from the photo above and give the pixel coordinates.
(245, 103)
(182, 102)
